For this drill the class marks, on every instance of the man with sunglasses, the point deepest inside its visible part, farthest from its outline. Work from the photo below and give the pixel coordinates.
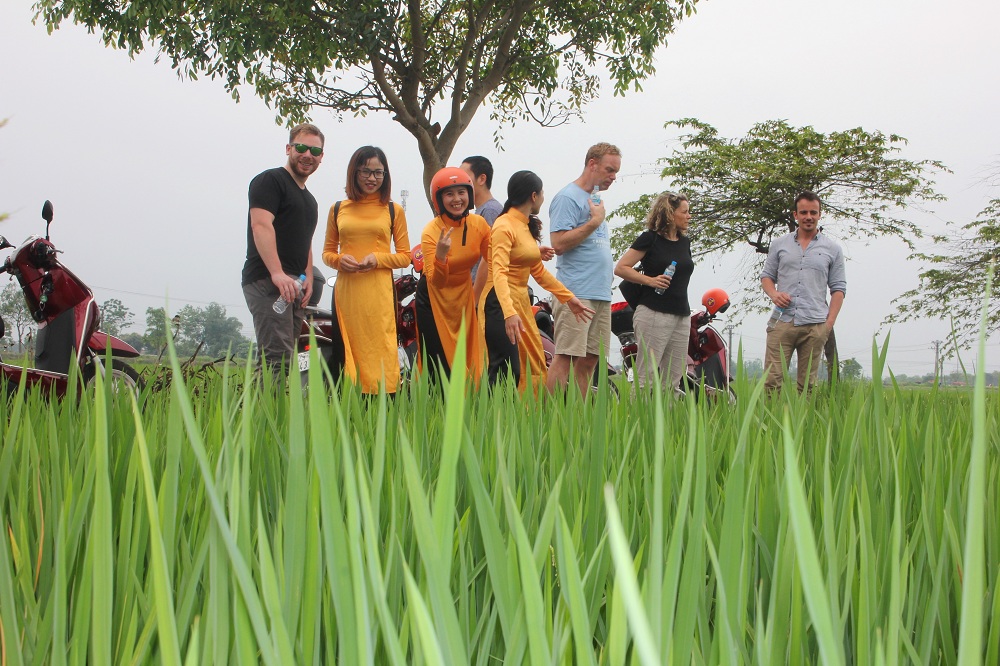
(280, 227)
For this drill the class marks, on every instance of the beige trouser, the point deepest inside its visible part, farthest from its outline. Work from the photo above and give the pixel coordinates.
(807, 341)
(663, 343)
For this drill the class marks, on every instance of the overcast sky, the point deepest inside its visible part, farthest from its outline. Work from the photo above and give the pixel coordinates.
(148, 173)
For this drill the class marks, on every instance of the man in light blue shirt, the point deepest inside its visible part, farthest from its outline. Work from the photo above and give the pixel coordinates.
(800, 268)
(582, 242)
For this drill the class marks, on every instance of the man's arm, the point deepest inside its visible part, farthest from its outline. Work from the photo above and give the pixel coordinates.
(564, 241)
(779, 298)
(307, 288)
(262, 226)
(837, 283)
(836, 302)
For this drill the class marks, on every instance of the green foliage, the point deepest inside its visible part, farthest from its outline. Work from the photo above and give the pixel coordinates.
(261, 524)
(951, 289)
(156, 334)
(115, 317)
(850, 369)
(211, 330)
(17, 319)
(741, 190)
(430, 64)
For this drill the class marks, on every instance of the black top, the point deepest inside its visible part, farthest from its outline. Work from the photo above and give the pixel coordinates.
(295, 215)
(659, 253)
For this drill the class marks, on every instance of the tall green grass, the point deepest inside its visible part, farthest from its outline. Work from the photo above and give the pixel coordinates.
(256, 524)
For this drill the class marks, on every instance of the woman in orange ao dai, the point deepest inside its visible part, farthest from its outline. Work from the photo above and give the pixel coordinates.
(512, 337)
(452, 243)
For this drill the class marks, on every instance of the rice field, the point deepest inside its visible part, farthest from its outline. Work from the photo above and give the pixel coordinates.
(255, 524)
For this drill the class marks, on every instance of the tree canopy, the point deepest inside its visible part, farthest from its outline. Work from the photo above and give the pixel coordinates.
(953, 287)
(430, 64)
(16, 316)
(115, 317)
(741, 190)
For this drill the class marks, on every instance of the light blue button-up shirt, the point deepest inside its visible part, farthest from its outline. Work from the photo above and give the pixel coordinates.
(806, 275)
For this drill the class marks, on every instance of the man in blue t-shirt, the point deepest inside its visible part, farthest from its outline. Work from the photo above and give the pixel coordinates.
(581, 239)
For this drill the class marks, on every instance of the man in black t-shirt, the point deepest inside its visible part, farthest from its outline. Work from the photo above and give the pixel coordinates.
(280, 226)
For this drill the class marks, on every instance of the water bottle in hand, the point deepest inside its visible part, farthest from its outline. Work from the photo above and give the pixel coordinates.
(595, 196)
(775, 317)
(281, 304)
(671, 269)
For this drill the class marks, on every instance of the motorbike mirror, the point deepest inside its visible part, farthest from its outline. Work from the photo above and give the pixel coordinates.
(4, 243)
(47, 216)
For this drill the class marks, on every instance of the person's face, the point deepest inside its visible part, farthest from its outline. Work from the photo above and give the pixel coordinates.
(370, 176)
(605, 170)
(455, 199)
(682, 216)
(536, 202)
(305, 163)
(807, 215)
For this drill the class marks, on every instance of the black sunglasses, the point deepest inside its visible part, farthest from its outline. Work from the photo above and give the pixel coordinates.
(301, 148)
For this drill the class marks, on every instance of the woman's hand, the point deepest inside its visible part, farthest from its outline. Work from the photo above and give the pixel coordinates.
(443, 245)
(514, 328)
(659, 282)
(348, 264)
(368, 263)
(582, 312)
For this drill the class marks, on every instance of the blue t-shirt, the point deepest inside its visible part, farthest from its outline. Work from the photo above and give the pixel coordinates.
(588, 269)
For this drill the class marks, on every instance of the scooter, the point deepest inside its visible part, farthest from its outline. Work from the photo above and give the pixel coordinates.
(322, 324)
(67, 316)
(707, 358)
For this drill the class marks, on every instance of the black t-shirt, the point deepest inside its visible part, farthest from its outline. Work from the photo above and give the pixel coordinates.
(295, 215)
(659, 253)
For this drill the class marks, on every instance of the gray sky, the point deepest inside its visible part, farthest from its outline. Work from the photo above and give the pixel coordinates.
(148, 173)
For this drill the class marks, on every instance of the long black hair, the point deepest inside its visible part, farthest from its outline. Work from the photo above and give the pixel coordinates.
(520, 187)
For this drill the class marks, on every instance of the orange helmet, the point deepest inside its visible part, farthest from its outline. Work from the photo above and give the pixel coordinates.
(450, 177)
(715, 301)
(417, 257)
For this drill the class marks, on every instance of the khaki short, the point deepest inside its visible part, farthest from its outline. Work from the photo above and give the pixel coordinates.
(576, 338)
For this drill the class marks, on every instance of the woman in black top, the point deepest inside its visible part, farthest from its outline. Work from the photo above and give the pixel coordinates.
(662, 321)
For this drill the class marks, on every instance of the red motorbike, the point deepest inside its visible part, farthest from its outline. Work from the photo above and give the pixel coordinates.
(67, 315)
(707, 358)
(322, 322)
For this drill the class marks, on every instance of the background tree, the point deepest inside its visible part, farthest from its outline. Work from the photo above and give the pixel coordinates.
(850, 369)
(14, 311)
(115, 317)
(138, 340)
(210, 327)
(741, 190)
(953, 287)
(430, 64)
(156, 329)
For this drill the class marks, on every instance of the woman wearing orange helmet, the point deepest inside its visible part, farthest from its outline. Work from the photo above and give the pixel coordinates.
(452, 244)
(662, 320)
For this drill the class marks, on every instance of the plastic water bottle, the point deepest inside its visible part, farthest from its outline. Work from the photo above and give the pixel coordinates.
(595, 196)
(281, 304)
(669, 272)
(775, 316)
